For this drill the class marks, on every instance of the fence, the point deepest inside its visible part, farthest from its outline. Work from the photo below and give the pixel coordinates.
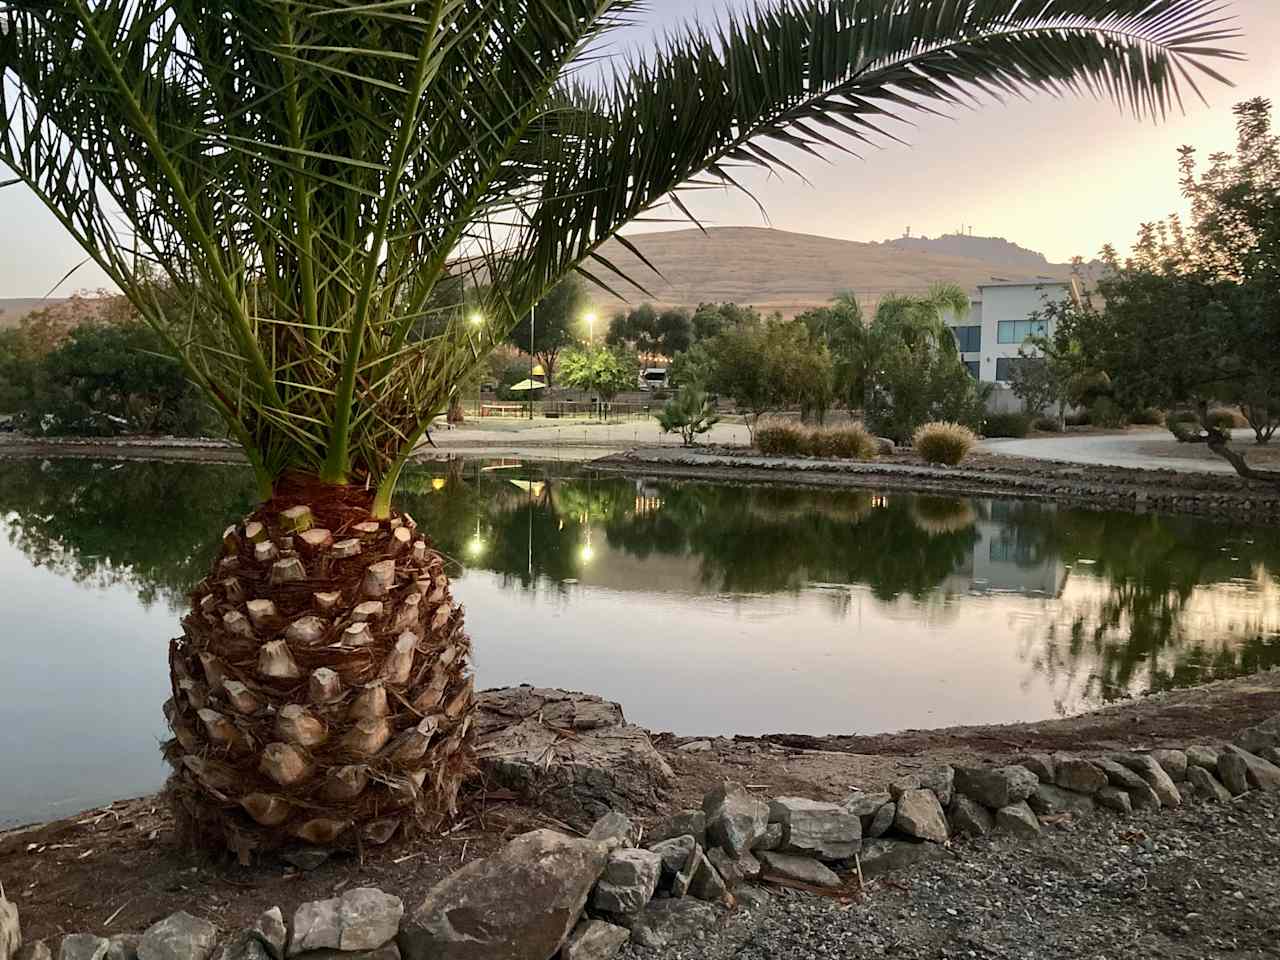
(562, 410)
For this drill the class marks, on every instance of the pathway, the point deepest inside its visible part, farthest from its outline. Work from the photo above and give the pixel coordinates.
(1154, 449)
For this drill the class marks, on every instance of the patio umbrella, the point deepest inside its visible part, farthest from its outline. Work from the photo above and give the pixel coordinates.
(527, 385)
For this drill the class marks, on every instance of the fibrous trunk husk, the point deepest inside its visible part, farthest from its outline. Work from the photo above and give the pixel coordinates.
(303, 709)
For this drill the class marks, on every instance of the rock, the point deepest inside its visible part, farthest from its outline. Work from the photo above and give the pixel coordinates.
(996, 787)
(271, 930)
(594, 940)
(607, 765)
(1261, 774)
(732, 871)
(664, 922)
(83, 946)
(1018, 820)
(1265, 734)
(695, 746)
(706, 883)
(1202, 756)
(691, 823)
(361, 919)
(676, 853)
(1174, 763)
(866, 805)
(1140, 793)
(178, 937)
(884, 446)
(920, 815)
(803, 869)
(10, 929)
(1271, 755)
(123, 946)
(388, 951)
(1234, 773)
(879, 857)
(822, 830)
(771, 839)
(306, 858)
(736, 819)
(630, 878)
(883, 820)
(969, 817)
(35, 950)
(245, 945)
(615, 829)
(1206, 785)
(753, 898)
(941, 780)
(1049, 800)
(1185, 791)
(1072, 773)
(519, 904)
(1041, 764)
(1113, 798)
(1145, 766)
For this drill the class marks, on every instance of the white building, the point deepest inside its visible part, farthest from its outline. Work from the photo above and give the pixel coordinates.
(998, 322)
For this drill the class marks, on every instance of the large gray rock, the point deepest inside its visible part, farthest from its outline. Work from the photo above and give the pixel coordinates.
(1018, 820)
(676, 853)
(691, 823)
(866, 805)
(1145, 766)
(178, 937)
(666, 922)
(1113, 798)
(10, 929)
(607, 764)
(1261, 774)
(1206, 785)
(803, 869)
(1174, 763)
(823, 830)
(1233, 772)
(706, 883)
(920, 815)
(270, 929)
(1072, 773)
(1041, 764)
(941, 780)
(880, 857)
(996, 787)
(771, 839)
(519, 904)
(361, 919)
(388, 951)
(1202, 756)
(630, 878)
(969, 817)
(594, 940)
(246, 945)
(736, 818)
(615, 829)
(883, 820)
(34, 950)
(1255, 738)
(1140, 793)
(1049, 800)
(83, 946)
(732, 871)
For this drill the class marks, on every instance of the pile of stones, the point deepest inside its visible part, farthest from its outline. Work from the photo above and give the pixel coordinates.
(547, 895)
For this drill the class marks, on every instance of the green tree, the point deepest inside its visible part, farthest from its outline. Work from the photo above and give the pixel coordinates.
(675, 332)
(1054, 370)
(710, 319)
(301, 177)
(557, 324)
(690, 413)
(636, 329)
(604, 371)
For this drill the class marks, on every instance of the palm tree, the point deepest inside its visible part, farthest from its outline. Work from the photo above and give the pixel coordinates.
(280, 187)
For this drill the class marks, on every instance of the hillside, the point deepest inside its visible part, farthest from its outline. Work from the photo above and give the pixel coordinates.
(12, 311)
(791, 272)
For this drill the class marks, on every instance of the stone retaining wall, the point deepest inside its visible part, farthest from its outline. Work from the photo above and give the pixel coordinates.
(548, 895)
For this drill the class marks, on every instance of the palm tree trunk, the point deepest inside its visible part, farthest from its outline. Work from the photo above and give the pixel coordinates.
(321, 689)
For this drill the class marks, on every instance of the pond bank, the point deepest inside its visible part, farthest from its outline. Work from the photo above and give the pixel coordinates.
(114, 869)
(982, 474)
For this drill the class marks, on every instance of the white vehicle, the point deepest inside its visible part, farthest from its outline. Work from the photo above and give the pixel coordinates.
(653, 378)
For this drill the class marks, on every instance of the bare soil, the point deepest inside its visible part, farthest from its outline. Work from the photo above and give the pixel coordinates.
(116, 869)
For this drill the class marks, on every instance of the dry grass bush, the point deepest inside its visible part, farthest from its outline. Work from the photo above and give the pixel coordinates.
(847, 441)
(942, 442)
(781, 438)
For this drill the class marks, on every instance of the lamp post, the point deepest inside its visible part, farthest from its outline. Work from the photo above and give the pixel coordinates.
(477, 320)
(531, 320)
(591, 328)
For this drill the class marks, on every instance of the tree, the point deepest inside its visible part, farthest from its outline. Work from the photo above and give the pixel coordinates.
(604, 371)
(636, 329)
(675, 332)
(301, 177)
(1054, 370)
(710, 319)
(557, 322)
(690, 412)
(695, 366)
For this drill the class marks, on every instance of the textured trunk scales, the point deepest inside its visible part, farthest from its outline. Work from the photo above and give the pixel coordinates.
(321, 689)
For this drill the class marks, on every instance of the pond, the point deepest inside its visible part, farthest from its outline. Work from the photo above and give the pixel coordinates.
(702, 608)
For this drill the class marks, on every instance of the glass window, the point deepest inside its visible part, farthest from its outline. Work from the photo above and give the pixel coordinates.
(968, 339)
(1016, 331)
(1006, 365)
(972, 367)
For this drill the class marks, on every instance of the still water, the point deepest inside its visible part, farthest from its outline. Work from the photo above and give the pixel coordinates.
(702, 608)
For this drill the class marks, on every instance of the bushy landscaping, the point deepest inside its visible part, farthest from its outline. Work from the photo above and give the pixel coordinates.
(1006, 425)
(789, 438)
(942, 442)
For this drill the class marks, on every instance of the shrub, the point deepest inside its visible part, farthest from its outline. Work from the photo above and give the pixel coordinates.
(1149, 417)
(778, 437)
(1105, 412)
(1048, 424)
(1226, 418)
(1079, 419)
(1182, 416)
(942, 442)
(689, 414)
(848, 440)
(1006, 425)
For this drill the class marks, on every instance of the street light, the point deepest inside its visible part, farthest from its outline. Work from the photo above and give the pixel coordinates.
(591, 327)
(477, 321)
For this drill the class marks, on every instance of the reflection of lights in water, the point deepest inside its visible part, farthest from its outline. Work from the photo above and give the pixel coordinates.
(437, 483)
(475, 546)
(587, 553)
(878, 500)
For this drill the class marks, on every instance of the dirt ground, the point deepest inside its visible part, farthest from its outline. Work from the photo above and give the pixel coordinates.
(116, 870)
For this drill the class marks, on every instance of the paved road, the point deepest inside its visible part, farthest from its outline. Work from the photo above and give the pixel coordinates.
(1146, 449)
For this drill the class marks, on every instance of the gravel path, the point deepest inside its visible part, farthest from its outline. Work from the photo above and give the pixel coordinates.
(1201, 882)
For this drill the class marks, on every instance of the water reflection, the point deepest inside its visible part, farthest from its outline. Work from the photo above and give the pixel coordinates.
(703, 608)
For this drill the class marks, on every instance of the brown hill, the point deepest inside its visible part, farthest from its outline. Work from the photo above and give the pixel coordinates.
(790, 272)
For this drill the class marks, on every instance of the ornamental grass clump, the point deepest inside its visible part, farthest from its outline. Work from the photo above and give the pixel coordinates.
(849, 441)
(942, 442)
(782, 438)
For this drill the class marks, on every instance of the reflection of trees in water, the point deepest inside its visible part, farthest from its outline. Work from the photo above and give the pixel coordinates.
(1139, 632)
(940, 516)
(153, 526)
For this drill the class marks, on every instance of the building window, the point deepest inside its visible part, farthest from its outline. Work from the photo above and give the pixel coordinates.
(1016, 331)
(1006, 365)
(968, 339)
(972, 367)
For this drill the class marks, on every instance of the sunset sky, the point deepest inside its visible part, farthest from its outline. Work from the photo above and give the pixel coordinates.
(1060, 176)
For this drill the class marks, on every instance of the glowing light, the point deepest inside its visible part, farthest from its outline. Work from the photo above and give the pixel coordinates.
(586, 553)
(475, 546)
(477, 319)
(437, 483)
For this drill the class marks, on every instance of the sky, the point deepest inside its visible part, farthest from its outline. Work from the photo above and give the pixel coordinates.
(1060, 176)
